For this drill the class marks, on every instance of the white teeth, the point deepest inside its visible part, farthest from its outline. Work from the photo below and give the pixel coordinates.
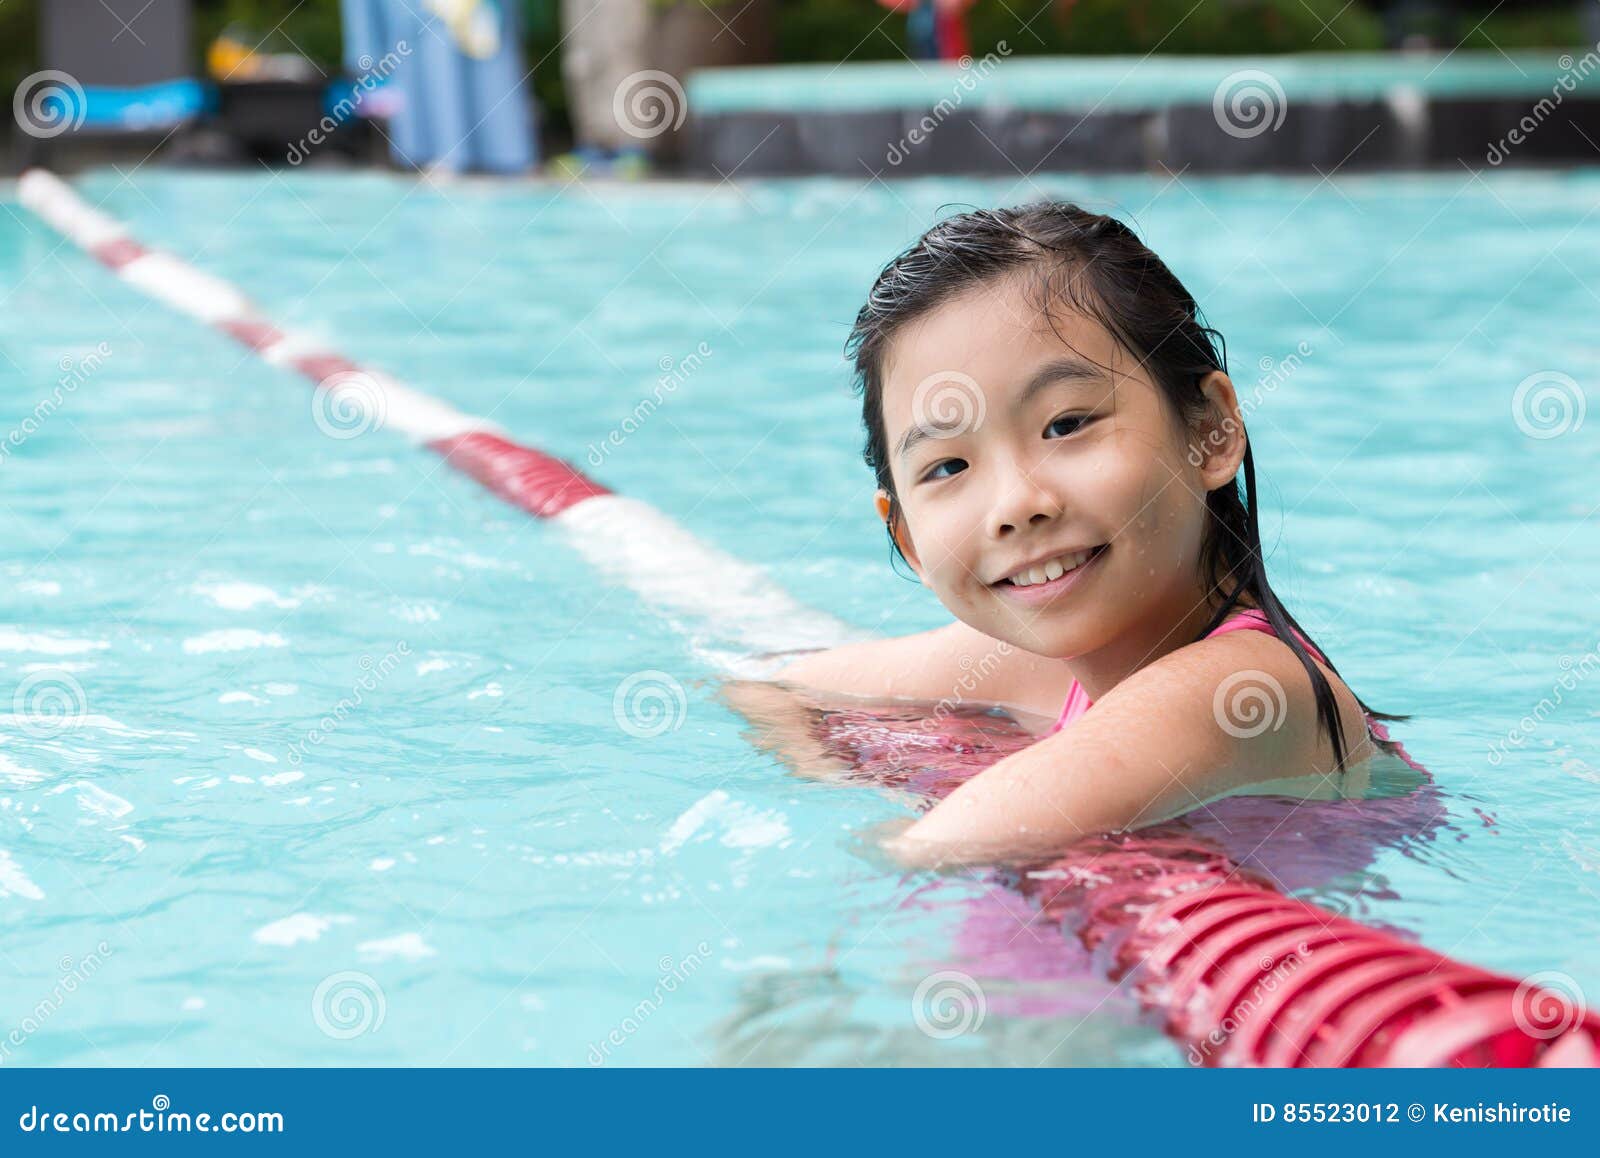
(1051, 570)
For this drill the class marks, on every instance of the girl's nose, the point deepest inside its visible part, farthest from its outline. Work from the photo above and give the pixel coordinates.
(1023, 503)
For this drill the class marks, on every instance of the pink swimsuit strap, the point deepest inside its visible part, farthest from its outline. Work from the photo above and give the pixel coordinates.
(1247, 620)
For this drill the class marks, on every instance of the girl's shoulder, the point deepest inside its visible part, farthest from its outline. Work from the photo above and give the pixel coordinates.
(1257, 681)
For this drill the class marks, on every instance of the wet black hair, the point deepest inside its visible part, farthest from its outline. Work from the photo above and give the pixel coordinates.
(1094, 265)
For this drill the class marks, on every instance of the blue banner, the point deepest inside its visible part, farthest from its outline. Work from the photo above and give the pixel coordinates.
(757, 1112)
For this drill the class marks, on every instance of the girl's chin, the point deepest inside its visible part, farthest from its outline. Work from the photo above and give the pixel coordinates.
(1040, 637)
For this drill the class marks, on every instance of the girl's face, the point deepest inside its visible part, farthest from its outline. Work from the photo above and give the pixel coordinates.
(1050, 497)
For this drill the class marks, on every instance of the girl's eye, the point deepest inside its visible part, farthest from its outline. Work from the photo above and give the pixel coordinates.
(1065, 425)
(945, 469)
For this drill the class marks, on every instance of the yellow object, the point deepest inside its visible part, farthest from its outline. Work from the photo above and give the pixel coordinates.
(474, 25)
(228, 58)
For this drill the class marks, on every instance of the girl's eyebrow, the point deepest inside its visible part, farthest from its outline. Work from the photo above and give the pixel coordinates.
(1063, 369)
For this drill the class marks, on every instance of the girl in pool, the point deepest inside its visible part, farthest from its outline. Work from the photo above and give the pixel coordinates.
(1058, 451)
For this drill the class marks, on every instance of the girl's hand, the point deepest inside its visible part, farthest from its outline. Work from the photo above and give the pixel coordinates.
(1199, 723)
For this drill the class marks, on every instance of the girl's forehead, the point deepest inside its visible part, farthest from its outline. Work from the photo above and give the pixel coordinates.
(996, 336)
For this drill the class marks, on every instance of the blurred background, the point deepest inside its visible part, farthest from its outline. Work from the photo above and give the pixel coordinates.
(794, 86)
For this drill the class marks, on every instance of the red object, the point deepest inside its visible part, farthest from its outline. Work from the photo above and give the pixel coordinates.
(537, 482)
(1242, 975)
(317, 367)
(118, 252)
(255, 334)
(950, 31)
(950, 24)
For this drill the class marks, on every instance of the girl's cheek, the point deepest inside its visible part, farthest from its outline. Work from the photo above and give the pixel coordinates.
(941, 559)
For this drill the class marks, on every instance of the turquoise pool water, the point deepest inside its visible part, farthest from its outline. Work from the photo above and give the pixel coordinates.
(477, 865)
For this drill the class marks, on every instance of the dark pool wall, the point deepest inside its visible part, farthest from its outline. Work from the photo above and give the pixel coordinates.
(1313, 135)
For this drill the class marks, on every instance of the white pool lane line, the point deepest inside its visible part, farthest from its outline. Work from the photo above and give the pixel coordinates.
(726, 601)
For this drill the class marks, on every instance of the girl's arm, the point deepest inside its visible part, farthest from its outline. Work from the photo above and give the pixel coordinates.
(951, 663)
(1194, 725)
(780, 722)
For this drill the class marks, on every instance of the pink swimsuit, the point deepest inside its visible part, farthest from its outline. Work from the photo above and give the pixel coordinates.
(1247, 620)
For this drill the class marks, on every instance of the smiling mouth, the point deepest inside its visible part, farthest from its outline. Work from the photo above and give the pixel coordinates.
(1052, 570)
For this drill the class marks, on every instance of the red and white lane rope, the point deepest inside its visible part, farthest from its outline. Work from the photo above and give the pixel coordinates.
(718, 600)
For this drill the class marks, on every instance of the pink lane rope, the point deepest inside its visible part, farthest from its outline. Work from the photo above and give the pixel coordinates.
(1205, 940)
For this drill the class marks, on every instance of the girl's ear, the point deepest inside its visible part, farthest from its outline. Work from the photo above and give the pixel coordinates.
(1218, 445)
(897, 527)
